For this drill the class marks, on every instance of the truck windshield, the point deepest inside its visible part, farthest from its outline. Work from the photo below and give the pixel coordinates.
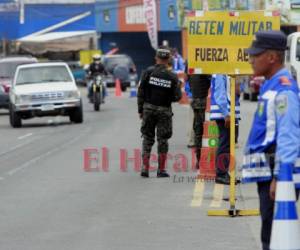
(43, 74)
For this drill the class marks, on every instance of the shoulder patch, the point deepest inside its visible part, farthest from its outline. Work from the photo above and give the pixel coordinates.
(260, 108)
(285, 81)
(281, 104)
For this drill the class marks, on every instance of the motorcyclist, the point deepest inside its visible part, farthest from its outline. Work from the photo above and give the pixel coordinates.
(96, 68)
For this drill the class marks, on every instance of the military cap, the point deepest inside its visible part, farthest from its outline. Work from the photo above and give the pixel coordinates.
(267, 40)
(163, 53)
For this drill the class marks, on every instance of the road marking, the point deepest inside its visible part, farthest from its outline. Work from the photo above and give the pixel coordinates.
(24, 136)
(198, 194)
(217, 195)
(16, 147)
(59, 148)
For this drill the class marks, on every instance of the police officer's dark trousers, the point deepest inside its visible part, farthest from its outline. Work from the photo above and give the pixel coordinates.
(223, 151)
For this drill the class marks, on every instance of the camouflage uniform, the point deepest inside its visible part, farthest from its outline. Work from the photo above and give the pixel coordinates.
(158, 89)
(198, 106)
(199, 85)
(161, 119)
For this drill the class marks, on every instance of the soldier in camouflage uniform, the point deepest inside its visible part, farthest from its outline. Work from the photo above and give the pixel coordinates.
(200, 85)
(157, 90)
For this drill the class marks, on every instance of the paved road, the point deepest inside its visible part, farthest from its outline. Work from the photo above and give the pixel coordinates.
(49, 202)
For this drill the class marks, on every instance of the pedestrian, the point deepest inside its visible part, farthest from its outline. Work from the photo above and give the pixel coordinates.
(274, 135)
(190, 129)
(158, 88)
(178, 61)
(199, 85)
(220, 112)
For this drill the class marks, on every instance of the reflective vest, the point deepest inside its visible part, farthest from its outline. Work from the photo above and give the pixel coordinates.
(263, 133)
(215, 111)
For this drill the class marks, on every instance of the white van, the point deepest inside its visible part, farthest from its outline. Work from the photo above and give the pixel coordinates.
(44, 89)
(292, 57)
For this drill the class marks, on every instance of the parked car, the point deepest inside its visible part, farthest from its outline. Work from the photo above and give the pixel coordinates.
(78, 72)
(120, 66)
(44, 89)
(8, 67)
(295, 4)
(251, 88)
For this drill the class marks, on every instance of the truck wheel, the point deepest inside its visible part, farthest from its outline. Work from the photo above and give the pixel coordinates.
(123, 88)
(14, 118)
(97, 101)
(76, 115)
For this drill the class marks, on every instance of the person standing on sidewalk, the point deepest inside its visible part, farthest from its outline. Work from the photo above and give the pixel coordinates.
(190, 129)
(275, 132)
(220, 112)
(158, 88)
(199, 85)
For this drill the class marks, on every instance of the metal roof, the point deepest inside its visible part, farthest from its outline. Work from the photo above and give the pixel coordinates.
(51, 36)
(57, 1)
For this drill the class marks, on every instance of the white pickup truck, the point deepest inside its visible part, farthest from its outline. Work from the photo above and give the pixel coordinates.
(44, 89)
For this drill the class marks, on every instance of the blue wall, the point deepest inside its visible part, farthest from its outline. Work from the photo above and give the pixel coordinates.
(41, 16)
(9, 23)
(9, 19)
(106, 16)
(168, 16)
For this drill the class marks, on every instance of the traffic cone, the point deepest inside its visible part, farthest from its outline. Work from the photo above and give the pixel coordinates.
(286, 228)
(209, 146)
(208, 150)
(118, 91)
(184, 99)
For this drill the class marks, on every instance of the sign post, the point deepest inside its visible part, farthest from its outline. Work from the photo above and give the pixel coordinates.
(216, 45)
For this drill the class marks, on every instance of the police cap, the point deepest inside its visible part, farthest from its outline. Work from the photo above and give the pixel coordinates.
(163, 53)
(267, 40)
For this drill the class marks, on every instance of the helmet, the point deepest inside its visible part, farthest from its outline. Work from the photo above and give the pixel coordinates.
(96, 57)
(163, 53)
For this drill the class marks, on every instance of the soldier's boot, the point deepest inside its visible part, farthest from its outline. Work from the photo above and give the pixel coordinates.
(145, 167)
(161, 171)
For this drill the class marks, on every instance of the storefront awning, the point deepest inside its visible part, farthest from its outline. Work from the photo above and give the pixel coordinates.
(58, 41)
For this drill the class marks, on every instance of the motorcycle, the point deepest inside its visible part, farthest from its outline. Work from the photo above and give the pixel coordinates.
(97, 92)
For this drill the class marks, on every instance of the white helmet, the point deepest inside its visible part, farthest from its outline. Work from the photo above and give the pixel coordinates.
(96, 57)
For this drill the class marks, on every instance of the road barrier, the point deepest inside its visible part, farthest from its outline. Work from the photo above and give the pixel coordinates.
(286, 227)
(184, 99)
(133, 91)
(209, 146)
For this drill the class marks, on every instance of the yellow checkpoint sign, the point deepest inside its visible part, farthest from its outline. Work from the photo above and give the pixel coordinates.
(217, 39)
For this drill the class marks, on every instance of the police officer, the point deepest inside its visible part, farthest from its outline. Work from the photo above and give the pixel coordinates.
(220, 112)
(158, 88)
(275, 130)
(96, 67)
